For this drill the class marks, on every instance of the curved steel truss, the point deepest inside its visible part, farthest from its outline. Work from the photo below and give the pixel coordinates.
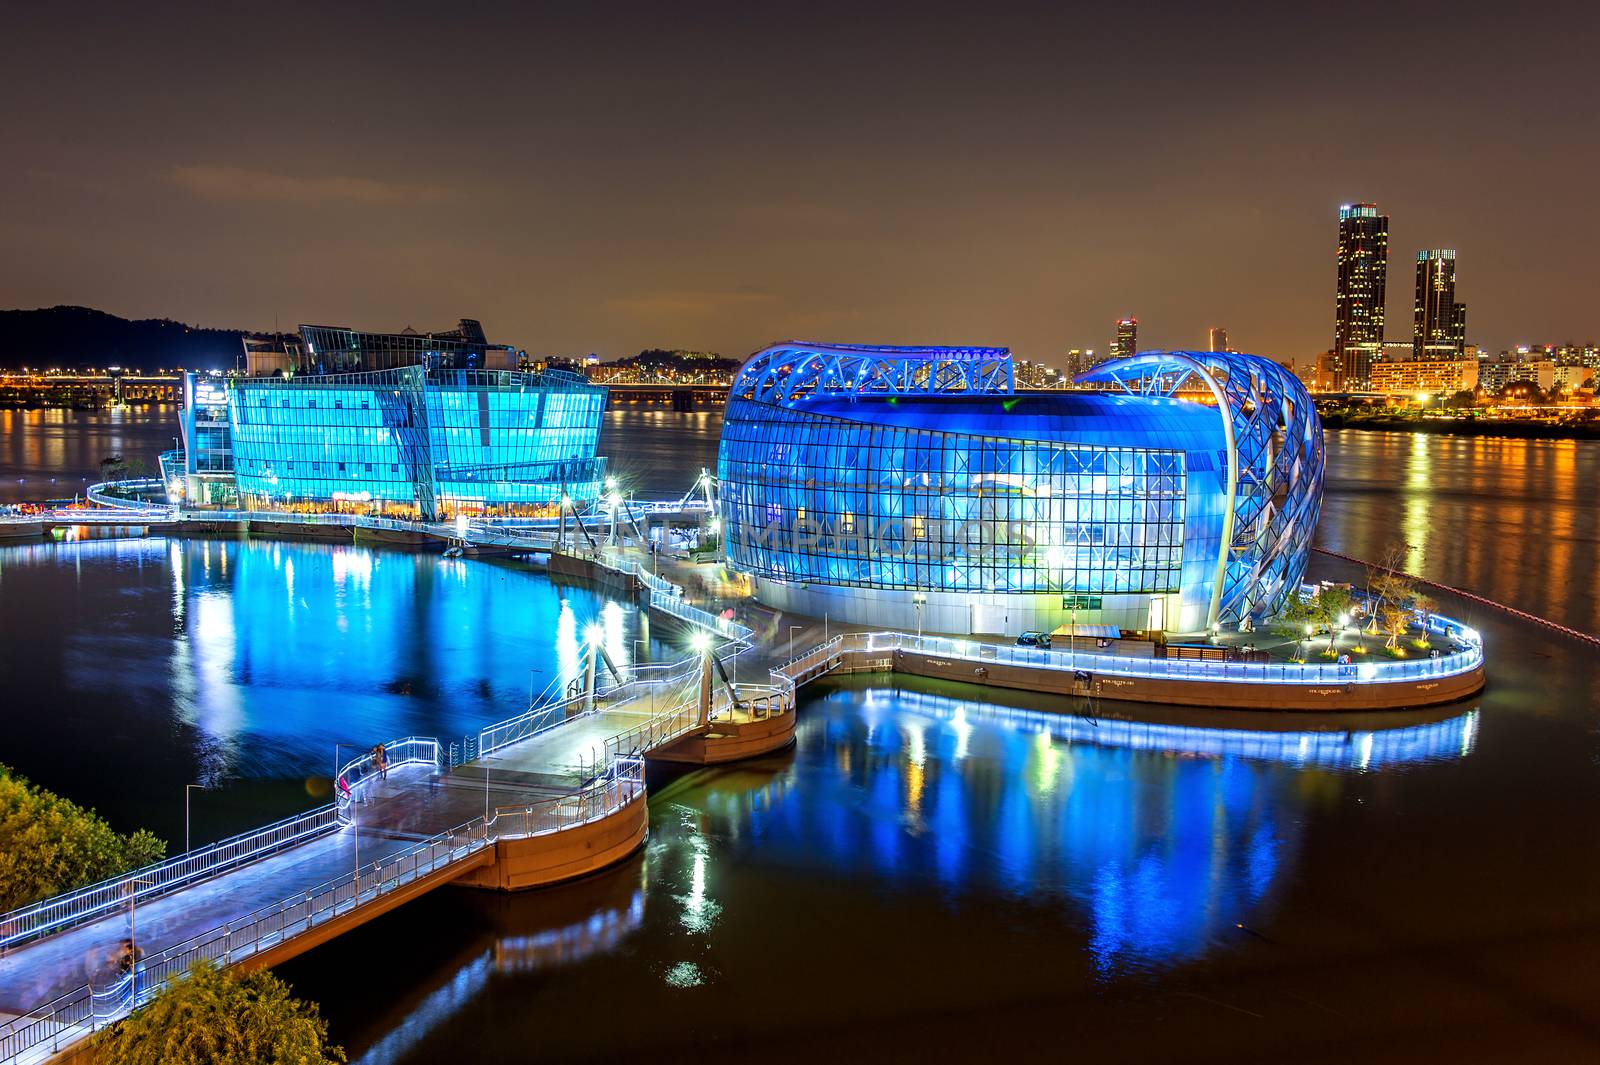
(787, 373)
(1275, 467)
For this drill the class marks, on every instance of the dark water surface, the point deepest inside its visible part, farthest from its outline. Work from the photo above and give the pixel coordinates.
(923, 876)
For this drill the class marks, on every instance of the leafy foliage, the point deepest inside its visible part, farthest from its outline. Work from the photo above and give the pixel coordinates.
(1396, 620)
(1329, 604)
(1291, 621)
(214, 1017)
(49, 844)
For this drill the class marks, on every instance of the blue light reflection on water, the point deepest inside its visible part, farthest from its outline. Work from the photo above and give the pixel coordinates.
(1159, 838)
(260, 655)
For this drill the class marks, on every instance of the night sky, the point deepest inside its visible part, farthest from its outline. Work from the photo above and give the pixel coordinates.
(608, 177)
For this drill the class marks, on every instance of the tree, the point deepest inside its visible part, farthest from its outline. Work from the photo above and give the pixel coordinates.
(114, 468)
(49, 845)
(1328, 606)
(1387, 582)
(1295, 618)
(211, 1016)
(1396, 620)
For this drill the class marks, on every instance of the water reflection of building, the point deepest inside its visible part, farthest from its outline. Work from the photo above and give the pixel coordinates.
(1430, 741)
(1165, 837)
(263, 629)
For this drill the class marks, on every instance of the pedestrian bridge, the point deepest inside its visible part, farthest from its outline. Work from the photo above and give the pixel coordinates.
(551, 794)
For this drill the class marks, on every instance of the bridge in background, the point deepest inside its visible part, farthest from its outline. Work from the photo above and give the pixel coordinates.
(88, 389)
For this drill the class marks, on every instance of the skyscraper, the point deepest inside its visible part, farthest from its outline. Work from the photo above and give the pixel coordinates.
(1358, 302)
(1439, 322)
(1217, 339)
(1126, 340)
(1080, 360)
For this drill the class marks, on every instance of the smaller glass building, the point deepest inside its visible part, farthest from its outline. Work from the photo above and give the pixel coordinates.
(416, 442)
(413, 425)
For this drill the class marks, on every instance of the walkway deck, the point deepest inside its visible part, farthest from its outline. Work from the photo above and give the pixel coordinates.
(524, 784)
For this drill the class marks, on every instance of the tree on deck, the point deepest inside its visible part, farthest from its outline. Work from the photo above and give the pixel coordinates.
(213, 1017)
(1396, 620)
(49, 845)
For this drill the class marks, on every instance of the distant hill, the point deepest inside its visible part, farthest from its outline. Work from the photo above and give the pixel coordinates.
(72, 337)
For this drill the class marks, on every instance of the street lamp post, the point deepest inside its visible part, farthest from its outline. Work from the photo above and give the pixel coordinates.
(355, 821)
(917, 599)
(133, 933)
(792, 629)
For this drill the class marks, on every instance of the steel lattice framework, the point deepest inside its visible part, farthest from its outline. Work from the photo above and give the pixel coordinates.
(787, 373)
(1275, 467)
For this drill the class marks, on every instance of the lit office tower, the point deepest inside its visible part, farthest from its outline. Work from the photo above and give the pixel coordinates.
(1440, 323)
(1217, 339)
(1126, 341)
(1358, 304)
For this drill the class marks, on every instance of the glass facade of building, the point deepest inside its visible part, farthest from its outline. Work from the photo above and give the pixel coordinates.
(327, 349)
(416, 443)
(205, 477)
(902, 487)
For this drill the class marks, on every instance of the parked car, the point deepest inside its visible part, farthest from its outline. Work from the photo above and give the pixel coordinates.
(1034, 639)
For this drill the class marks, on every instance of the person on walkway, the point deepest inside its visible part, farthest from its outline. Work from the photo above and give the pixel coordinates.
(382, 758)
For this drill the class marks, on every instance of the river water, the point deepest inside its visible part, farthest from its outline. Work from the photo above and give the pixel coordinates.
(924, 876)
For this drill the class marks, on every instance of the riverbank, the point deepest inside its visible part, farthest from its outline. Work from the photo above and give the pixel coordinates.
(1516, 430)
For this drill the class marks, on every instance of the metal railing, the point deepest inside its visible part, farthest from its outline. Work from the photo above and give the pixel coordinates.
(412, 750)
(1468, 657)
(91, 903)
(522, 727)
(647, 735)
(621, 783)
(668, 598)
(101, 494)
(79, 1012)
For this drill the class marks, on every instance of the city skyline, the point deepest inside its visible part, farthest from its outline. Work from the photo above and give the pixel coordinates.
(586, 190)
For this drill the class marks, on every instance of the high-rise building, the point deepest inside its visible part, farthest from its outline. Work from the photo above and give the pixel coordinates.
(1217, 339)
(1081, 360)
(1126, 341)
(1358, 302)
(1439, 322)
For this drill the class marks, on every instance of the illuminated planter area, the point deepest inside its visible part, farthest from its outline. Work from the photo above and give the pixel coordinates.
(916, 488)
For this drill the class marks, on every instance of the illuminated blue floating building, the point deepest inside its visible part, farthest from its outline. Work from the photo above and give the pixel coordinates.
(916, 487)
(430, 434)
